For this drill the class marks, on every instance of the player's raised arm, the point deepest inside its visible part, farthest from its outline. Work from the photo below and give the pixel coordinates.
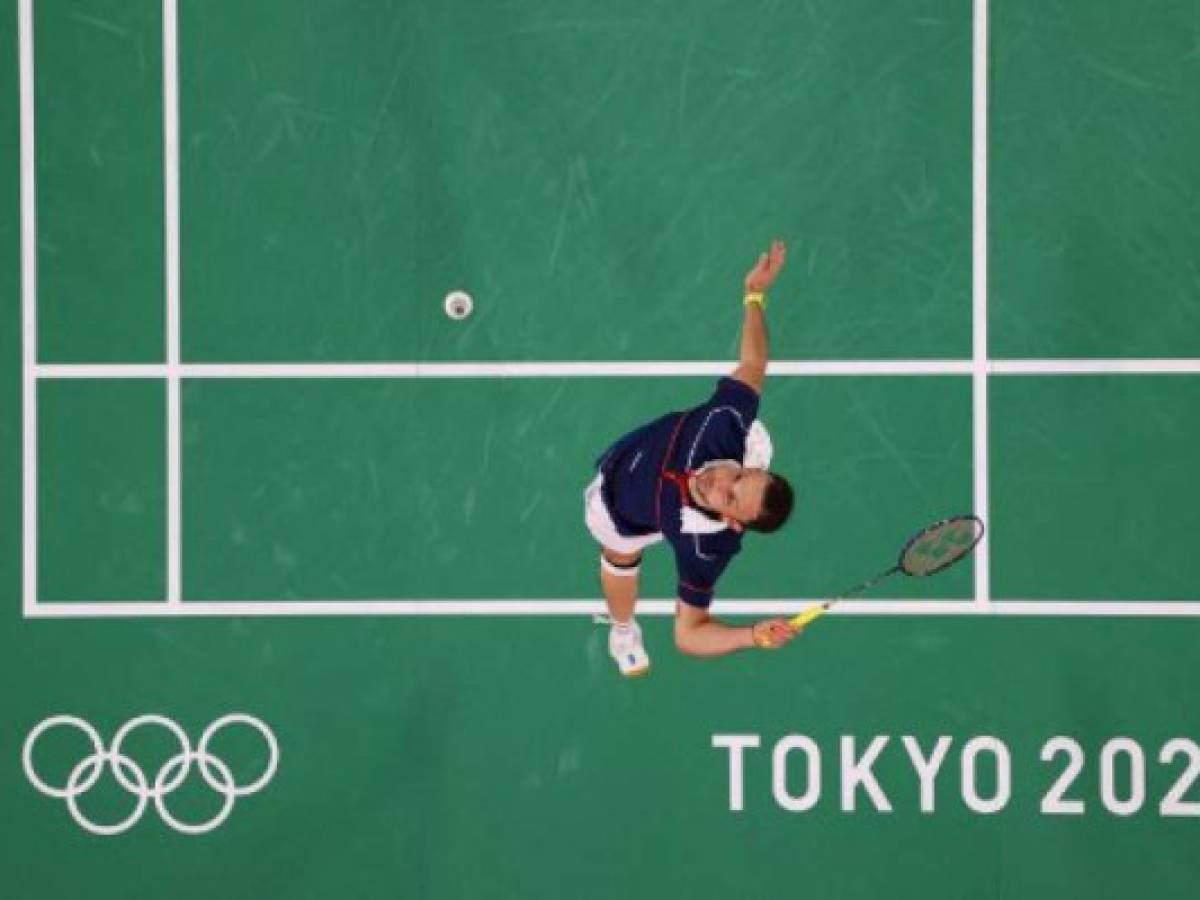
(752, 363)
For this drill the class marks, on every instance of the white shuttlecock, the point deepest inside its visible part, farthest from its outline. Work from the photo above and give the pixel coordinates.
(458, 305)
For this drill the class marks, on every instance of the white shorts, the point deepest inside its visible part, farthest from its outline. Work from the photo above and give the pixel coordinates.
(603, 529)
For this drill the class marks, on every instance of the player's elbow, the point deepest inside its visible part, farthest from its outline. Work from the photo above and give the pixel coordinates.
(685, 643)
(690, 623)
(751, 373)
(686, 638)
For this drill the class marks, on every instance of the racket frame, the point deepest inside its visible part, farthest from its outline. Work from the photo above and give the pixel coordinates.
(936, 525)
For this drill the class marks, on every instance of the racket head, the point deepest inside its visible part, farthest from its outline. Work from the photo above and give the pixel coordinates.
(939, 546)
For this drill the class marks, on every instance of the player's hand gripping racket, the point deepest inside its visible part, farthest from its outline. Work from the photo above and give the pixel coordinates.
(929, 551)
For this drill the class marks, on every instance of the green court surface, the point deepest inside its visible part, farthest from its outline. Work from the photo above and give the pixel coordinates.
(388, 568)
(1095, 162)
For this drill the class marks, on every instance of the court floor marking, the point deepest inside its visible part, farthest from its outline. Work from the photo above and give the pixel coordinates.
(979, 294)
(646, 369)
(649, 607)
(171, 242)
(29, 425)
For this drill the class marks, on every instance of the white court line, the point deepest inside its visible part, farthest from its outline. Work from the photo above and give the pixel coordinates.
(29, 420)
(485, 608)
(554, 369)
(979, 295)
(1094, 367)
(650, 368)
(171, 217)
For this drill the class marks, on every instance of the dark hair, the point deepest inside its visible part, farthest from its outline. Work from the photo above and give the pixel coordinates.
(776, 505)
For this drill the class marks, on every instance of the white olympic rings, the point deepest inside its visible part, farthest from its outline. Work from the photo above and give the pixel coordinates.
(130, 776)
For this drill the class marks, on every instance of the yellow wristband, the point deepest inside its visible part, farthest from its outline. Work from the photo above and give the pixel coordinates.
(755, 297)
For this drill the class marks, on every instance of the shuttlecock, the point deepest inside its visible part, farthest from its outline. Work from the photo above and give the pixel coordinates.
(458, 305)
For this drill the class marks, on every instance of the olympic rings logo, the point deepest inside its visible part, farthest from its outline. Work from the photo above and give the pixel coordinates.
(133, 779)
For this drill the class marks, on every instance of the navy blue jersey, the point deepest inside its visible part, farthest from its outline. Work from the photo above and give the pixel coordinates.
(644, 494)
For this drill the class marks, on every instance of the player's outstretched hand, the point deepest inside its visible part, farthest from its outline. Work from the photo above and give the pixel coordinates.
(760, 278)
(772, 633)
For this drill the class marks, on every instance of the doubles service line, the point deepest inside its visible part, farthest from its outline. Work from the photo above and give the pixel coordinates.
(657, 607)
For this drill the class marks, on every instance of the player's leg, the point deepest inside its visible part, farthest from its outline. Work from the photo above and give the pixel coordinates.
(619, 579)
(620, 559)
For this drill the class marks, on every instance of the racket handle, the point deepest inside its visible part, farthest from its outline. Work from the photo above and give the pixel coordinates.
(813, 612)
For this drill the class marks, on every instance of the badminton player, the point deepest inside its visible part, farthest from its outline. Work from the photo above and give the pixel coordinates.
(697, 480)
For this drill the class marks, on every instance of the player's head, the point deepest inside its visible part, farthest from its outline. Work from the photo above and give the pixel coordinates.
(745, 498)
(776, 506)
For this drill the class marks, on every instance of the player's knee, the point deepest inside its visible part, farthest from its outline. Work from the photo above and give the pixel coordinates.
(622, 565)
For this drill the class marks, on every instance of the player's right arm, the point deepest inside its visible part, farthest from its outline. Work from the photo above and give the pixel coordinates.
(752, 359)
(699, 634)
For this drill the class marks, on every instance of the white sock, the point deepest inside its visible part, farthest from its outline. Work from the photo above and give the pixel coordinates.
(622, 627)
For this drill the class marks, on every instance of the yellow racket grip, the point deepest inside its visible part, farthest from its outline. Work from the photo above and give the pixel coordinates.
(813, 612)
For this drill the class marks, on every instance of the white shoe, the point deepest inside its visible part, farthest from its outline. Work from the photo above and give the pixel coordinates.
(625, 646)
